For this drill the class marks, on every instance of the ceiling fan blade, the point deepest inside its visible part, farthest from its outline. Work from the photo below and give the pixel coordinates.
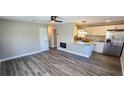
(58, 21)
(59, 18)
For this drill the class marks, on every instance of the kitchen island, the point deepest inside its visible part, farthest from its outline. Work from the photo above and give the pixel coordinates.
(79, 48)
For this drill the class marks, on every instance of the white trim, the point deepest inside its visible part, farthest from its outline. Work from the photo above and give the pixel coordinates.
(14, 57)
(122, 67)
(73, 52)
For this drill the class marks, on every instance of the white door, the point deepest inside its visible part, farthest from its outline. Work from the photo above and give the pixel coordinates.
(43, 38)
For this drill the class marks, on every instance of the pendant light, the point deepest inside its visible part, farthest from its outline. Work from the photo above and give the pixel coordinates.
(82, 32)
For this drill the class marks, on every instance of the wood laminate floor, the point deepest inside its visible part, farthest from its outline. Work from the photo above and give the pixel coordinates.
(59, 63)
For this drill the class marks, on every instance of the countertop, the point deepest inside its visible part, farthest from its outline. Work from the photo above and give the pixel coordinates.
(83, 43)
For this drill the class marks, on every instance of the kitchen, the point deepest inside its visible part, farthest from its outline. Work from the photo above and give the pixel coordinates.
(98, 35)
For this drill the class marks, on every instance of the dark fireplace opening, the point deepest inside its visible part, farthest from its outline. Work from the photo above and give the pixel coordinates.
(62, 45)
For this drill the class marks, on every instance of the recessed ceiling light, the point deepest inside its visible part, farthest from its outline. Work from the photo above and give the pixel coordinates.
(108, 20)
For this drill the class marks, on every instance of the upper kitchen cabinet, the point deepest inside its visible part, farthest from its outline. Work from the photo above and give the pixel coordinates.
(99, 31)
(95, 31)
(92, 30)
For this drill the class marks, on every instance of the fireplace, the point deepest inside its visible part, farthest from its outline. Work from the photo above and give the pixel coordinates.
(62, 45)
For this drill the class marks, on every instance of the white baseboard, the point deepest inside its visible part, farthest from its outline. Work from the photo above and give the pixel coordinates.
(73, 52)
(122, 67)
(14, 57)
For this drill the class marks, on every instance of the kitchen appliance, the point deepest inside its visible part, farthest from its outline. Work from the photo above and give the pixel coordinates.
(114, 42)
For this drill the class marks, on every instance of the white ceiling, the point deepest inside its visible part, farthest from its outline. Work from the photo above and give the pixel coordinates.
(66, 19)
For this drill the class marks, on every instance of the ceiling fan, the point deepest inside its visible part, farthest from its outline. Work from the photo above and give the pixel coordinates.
(54, 19)
(51, 19)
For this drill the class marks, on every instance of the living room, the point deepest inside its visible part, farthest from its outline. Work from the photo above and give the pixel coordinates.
(24, 37)
(61, 46)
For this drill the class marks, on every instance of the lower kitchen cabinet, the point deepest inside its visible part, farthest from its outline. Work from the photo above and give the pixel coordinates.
(99, 46)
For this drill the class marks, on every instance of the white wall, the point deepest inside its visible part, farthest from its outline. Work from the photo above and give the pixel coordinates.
(65, 33)
(18, 38)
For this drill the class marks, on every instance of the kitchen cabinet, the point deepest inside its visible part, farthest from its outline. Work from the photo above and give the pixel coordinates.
(100, 31)
(92, 31)
(99, 46)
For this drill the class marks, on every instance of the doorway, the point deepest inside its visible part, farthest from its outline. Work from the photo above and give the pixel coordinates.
(55, 38)
(52, 33)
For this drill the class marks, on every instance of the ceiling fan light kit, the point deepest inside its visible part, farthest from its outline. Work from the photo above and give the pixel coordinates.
(54, 19)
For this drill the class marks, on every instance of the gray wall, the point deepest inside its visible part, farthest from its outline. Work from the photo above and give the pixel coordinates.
(18, 38)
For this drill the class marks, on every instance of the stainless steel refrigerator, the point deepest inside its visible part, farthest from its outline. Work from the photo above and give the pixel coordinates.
(114, 42)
